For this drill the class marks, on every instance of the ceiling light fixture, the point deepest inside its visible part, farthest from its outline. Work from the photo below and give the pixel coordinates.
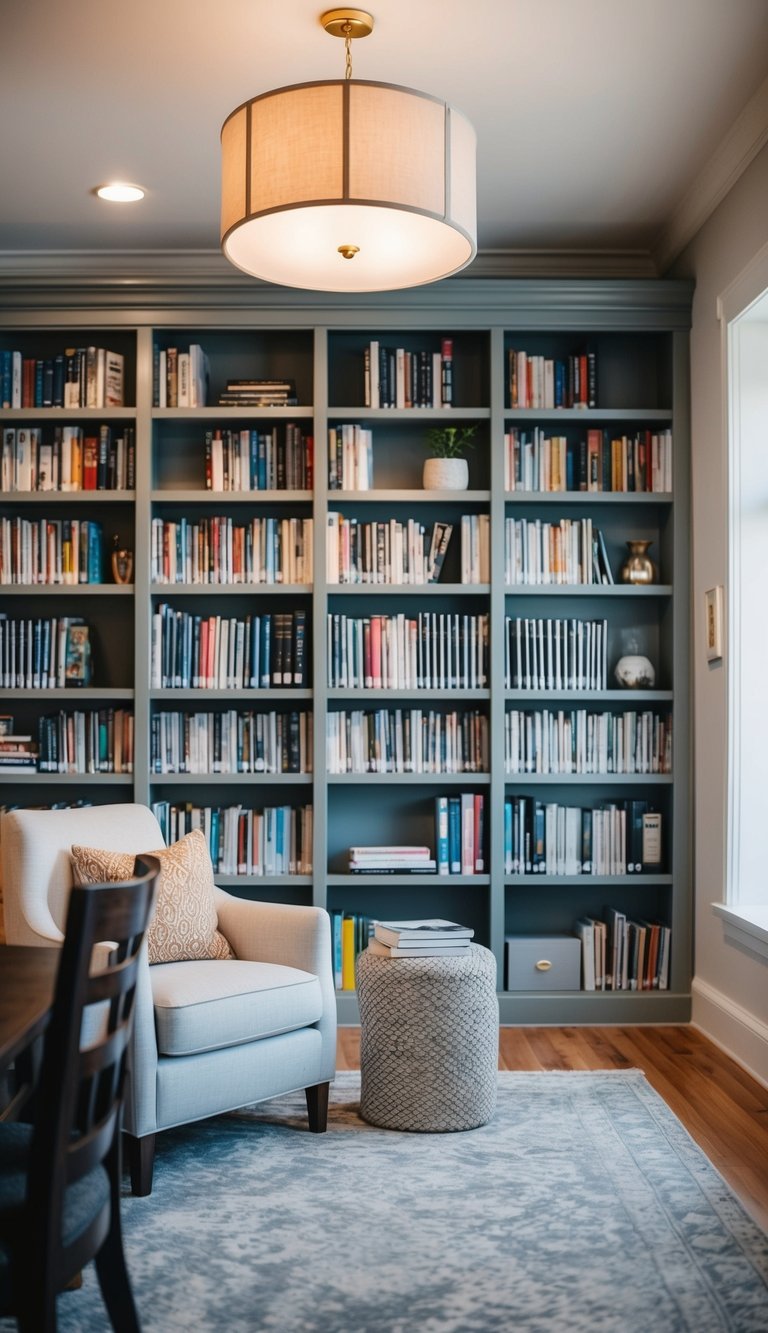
(347, 185)
(120, 193)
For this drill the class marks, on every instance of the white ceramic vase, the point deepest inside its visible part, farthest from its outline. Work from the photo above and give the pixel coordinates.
(635, 672)
(446, 474)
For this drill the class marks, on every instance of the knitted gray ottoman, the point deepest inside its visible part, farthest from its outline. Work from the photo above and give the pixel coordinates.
(429, 1040)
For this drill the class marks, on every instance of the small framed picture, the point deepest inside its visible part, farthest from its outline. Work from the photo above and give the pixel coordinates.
(713, 601)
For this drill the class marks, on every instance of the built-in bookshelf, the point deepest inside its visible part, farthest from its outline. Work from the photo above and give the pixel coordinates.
(316, 651)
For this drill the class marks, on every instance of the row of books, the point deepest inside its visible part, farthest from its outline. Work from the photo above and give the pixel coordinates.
(397, 377)
(460, 834)
(258, 393)
(570, 551)
(191, 651)
(274, 841)
(51, 550)
(75, 377)
(280, 459)
(350, 933)
(384, 551)
(555, 654)
(614, 838)
(73, 459)
(406, 740)
(44, 653)
(97, 740)
(549, 382)
(432, 650)
(350, 458)
(219, 550)
(598, 461)
(431, 938)
(180, 376)
(475, 548)
(231, 741)
(618, 953)
(577, 741)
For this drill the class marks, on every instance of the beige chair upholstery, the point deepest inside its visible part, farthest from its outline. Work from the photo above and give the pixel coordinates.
(209, 1036)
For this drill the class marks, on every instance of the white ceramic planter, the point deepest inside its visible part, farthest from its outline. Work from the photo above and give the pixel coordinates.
(446, 474)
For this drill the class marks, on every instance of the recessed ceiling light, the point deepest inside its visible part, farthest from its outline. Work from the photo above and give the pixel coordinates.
(120, 193)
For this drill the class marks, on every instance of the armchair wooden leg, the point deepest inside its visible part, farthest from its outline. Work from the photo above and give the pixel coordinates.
(141, 1161)
(317, 1107)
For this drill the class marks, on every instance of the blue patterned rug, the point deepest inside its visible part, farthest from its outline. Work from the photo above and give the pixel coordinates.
(584, 1205)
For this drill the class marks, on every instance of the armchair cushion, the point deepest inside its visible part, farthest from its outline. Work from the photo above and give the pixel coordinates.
(184, 923)
(206, 1005)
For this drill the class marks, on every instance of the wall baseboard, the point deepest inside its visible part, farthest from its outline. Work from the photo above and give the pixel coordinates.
(731, 1027)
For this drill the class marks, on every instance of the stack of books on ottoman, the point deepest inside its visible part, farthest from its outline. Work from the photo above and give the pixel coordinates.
(391, 860)
(420, 939)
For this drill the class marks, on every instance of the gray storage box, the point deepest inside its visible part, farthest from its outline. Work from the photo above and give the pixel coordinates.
(543, 962)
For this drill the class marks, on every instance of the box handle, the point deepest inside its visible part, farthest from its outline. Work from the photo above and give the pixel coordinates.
(543, 965)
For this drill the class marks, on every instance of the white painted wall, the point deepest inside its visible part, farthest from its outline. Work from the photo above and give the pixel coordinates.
(731, 983)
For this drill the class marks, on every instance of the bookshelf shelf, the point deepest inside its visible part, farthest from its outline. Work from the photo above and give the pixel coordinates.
(82, 694)
(215, 414)
(639, 332)
(407, 589)
(192, 495)
(588, 779)
(588, 498)
(416, 881)
(587, 590)
(11, 415)
(421, 416)
(392, 495)
(576, 881)
(163, 590)
(588, 416)
(67, 497)
(270, 780)
(72, 779)
(409, 779)
(66, 590)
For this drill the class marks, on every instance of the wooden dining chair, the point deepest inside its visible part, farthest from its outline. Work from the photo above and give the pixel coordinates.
(60, 1177)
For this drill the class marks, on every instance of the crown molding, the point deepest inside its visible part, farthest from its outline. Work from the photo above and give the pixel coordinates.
(55, 278)
(742, 143)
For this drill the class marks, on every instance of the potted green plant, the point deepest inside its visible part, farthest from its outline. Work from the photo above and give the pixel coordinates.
(447, 469)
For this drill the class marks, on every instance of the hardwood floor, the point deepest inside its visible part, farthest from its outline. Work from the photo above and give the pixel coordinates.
(721, 1106)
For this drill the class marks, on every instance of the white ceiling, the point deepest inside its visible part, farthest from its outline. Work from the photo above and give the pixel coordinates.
(595, 118)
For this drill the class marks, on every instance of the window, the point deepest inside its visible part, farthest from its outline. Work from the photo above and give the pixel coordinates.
(745, 912)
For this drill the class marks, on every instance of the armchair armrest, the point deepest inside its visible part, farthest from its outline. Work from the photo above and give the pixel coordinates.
(276, 932)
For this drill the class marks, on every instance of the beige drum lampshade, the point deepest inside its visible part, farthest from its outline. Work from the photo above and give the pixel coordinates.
(383, 174)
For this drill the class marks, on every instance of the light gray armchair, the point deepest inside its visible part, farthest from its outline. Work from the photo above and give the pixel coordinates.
(209, 1036)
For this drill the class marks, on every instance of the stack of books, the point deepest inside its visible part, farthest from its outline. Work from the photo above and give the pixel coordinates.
(391, 860)
(18, 753)
(420, 939)
(258, 393)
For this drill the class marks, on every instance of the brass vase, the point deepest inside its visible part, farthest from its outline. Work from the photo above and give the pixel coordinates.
(638, 566)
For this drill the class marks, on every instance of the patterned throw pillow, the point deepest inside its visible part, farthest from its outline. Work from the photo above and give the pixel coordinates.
(184, 923)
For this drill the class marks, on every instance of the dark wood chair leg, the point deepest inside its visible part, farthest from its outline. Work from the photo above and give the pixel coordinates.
(110, 1259)
(115, 1284)
(141, 1161)
(317, 1107)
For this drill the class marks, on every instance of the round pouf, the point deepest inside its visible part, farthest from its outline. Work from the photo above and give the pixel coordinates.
(429, 1040)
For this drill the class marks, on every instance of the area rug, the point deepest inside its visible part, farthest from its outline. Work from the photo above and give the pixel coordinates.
(584, 1205)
